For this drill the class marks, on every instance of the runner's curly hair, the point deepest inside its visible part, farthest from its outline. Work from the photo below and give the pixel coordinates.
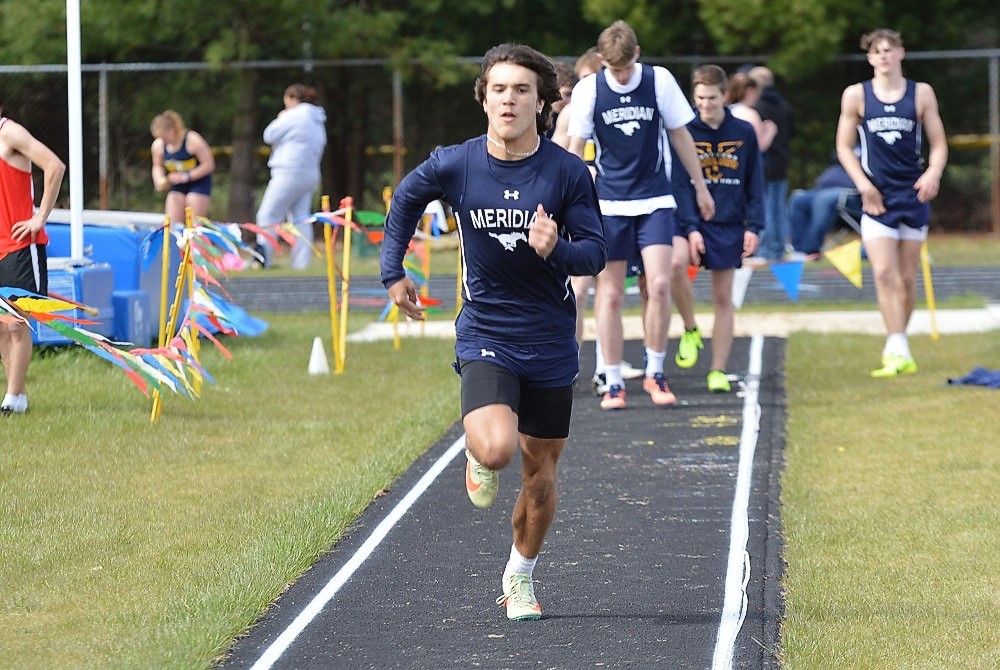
(539, 63)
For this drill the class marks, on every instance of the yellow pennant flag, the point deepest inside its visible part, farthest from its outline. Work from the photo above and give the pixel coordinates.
(847, 259)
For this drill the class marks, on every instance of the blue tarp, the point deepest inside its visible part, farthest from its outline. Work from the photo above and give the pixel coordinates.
(979, 377)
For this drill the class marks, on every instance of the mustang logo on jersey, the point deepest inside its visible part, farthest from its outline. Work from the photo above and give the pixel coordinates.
(628, 128)
(890, 137)
(509, 240)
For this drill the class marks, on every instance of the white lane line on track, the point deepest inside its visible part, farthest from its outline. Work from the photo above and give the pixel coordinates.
(734, 606)
(283, 641)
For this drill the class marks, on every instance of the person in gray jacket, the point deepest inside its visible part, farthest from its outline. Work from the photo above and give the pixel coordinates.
(297, 138)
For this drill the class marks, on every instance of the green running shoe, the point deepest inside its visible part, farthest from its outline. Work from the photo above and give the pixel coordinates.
(687, 348)
(481, 483)
(717, 382)
(519, 598)
(893, 366)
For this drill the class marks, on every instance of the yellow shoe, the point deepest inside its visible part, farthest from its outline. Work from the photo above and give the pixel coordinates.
(687, 348)
(893, 366)
(519, 598)
(717, 382)
(481, 483)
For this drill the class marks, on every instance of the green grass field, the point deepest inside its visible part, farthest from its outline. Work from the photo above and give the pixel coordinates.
(891, 504)
(125, 544)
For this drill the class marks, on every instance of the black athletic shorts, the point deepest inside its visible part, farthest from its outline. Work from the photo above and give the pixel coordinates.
(543, 413)
(26, 269)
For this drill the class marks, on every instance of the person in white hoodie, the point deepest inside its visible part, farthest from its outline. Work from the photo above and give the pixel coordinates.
(297, 138)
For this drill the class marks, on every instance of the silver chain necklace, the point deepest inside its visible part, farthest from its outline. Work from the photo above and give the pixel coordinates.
(516, 154)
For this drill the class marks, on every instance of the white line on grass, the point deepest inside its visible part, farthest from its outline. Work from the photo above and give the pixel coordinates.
(278, 647)
(734, 608)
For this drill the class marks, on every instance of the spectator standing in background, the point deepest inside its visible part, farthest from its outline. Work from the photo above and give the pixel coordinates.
(297, 138)
(772, 106)
(741, 98)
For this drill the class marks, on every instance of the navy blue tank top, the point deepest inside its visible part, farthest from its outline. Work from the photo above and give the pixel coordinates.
(181, 160)
(890, 139)
(630, 141)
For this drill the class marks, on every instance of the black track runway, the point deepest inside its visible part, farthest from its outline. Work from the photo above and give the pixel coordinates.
(639, 570)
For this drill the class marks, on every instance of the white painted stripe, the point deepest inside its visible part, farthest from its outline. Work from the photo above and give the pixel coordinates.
(734, 608)
(278, 647)
(36, 267)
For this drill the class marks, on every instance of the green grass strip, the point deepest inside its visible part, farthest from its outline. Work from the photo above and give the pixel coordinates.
(891, 504)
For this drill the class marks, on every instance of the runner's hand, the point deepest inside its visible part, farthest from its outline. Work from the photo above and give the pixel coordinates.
(27, 228)
(871, 200)
(404, 295)
(696, 247)
(543, 234)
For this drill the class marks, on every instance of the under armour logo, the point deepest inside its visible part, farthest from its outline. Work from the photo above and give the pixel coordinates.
(625, 98)
(511, 195)
(890, 108)
(487, 352)
(628, 128)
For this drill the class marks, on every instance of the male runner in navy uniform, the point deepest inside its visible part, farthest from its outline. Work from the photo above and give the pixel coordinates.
(887, 113)
(527, 219)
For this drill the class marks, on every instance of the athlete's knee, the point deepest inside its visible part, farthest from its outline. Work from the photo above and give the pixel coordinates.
(610, 298)
(540, 484)
(492, 446)
(658, 286)
(678, 267)
(886, 276)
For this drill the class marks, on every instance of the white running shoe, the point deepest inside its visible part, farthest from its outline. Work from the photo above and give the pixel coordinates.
(628, 372)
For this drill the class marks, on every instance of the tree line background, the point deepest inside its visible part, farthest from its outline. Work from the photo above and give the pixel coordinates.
(349, 50)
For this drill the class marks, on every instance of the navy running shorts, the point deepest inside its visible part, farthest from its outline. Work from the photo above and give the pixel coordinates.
(628, 235)
(202, 186)
(902, 208)
(723, 245)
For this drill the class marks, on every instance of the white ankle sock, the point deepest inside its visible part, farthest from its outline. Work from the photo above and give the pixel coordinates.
(16, 403)
(613, 375)
(654, 361)
(897, 345)
(518, 564)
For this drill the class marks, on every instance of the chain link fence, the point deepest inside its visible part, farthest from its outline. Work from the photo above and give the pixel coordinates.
(230, 106)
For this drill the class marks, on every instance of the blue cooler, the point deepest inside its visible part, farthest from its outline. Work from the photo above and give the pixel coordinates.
(133, 318)
(114, 238)
(80, 281)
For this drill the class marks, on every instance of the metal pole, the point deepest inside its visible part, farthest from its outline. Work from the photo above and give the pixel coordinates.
(75, 108)
(995, 142)
(397, 127)
(102, 116)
